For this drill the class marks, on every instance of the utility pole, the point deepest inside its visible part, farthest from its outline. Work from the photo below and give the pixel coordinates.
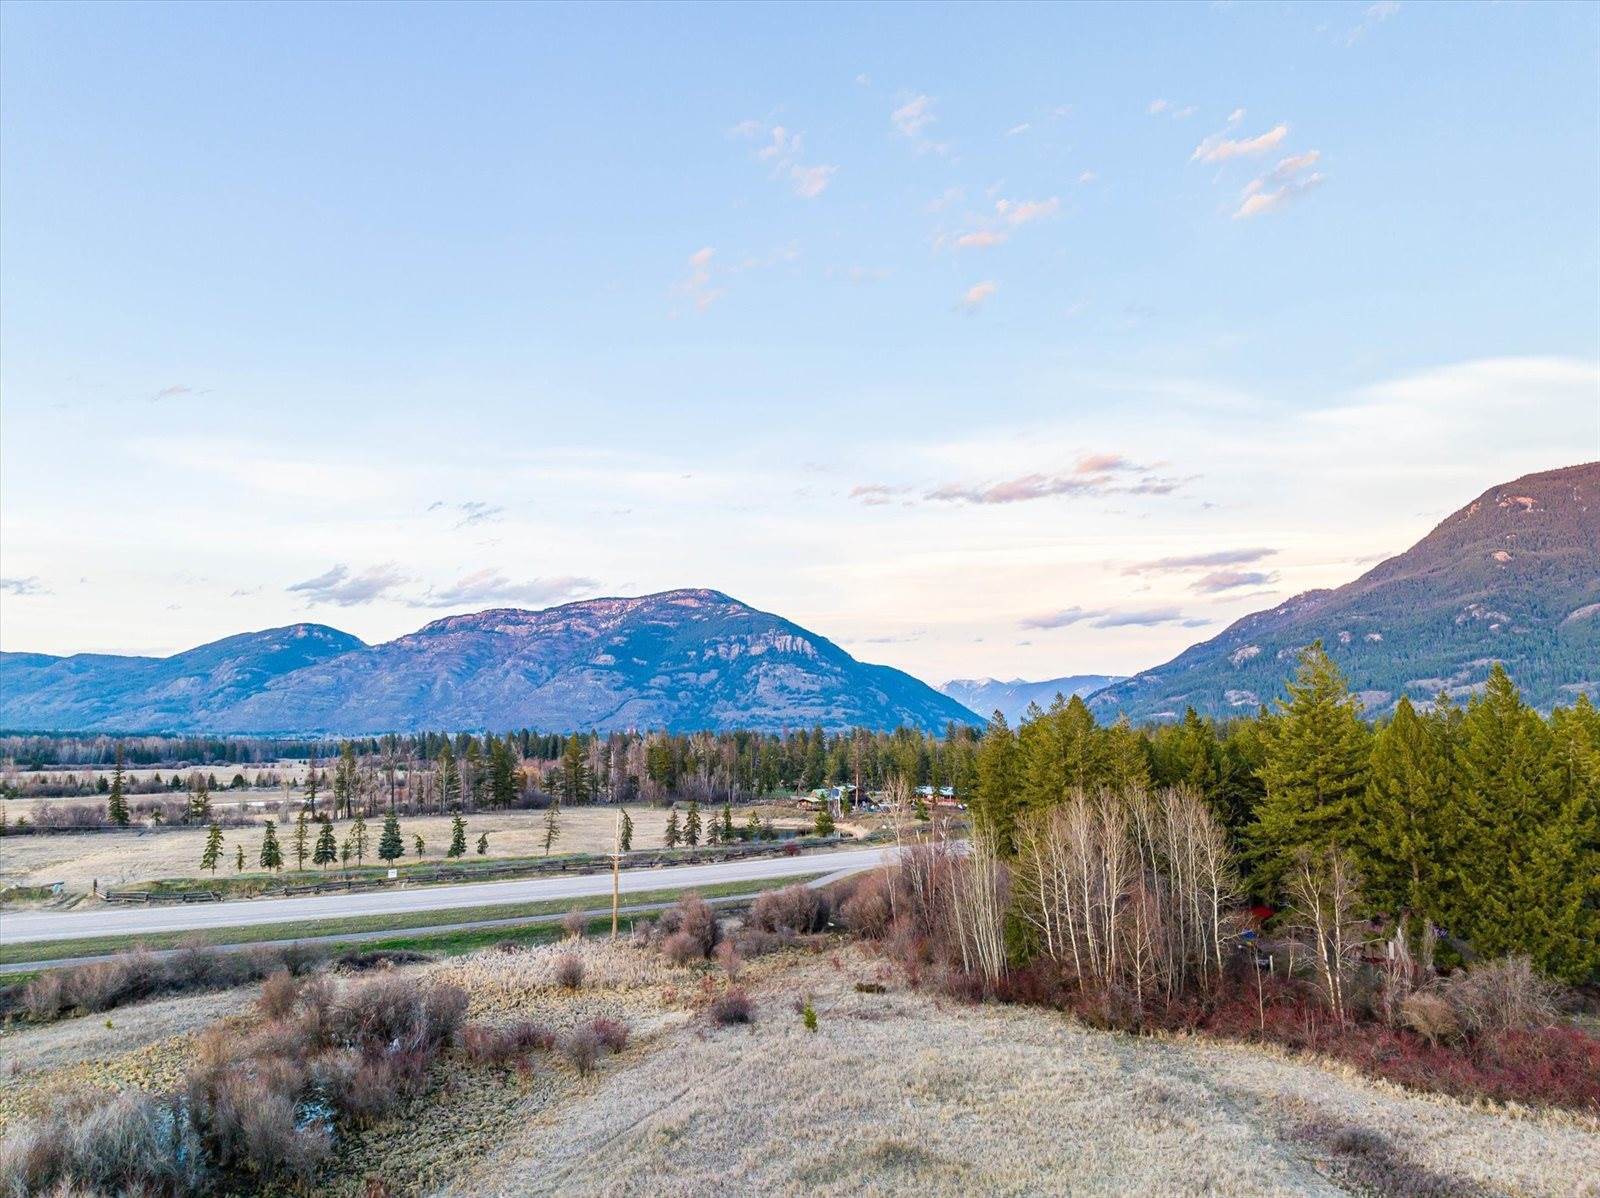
(616, 873)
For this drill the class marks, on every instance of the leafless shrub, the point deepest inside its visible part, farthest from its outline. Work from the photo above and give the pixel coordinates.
(582, 1047)
(569, 971)
(395, 1014)
(753, 942)
(797, 908)
(45, 997)
(128, 1143)
(1500, 996)
(575, 922)
(691, 916)
(681, 948)
(868, 910)
(728, 957)
(1431, 1017)
(612, 1033)
(497, 1045)
(279, 993)
(730, 1007)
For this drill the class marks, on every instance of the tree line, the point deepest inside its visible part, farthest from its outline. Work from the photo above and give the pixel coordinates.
(1482, 821)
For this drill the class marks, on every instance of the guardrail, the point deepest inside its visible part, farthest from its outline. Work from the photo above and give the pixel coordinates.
(596, 864)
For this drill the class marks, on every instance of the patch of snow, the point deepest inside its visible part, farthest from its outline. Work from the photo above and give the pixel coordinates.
(1243, 654)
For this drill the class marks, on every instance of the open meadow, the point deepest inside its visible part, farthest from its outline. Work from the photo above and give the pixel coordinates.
(115, 859)
(599, 1067)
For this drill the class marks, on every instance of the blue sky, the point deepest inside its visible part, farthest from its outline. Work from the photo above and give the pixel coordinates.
(932, 328)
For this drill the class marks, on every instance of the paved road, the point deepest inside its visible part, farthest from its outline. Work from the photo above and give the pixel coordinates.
(24, 926)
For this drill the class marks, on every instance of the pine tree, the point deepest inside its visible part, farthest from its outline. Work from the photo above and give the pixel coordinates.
(238, 860)
(1315, 770)
(919, 809)
(449, 783)
(419, 844)
(271, 851)
(728, 834)
(691, 824)
(752, 827)
(502, 773)
(117, 803)
(326, 851)
(390, 847)
(552, 824)
(673, 835)
(200, 802)
(574, 771)
(824, 825)
(1533, 835)
(1402, 839)
(213, 849)
(483, 844)
(302, 841)
(1126, 755)
(357, 839)
(996, 803)
(625, 836)
(311, 784)
(458, 837)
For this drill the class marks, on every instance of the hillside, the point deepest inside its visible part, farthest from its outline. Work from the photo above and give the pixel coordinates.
(681, 660)
(988, 695)
(1514, 576)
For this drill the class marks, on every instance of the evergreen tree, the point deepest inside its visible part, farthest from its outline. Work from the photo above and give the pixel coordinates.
(502, 773)
(1126, 755)
(213, 849)
(919, 809)
(996, 803)
(552, 824)
(419, 844)
(302, 841)
(625, 837)
(752, 827)
(673, 835)
(326, 851)
(728, 834)
(1315, 770)
(1404, 823)
(357, 839)
(200, 801)
(824, 825)
(483, 844)
(458, 837)
(238, 860)
(574, 771)
(390, 846)
(312, 780)
(271, 852)
(117, 803)
(449, 783)
(1532, 882)
(691, 824)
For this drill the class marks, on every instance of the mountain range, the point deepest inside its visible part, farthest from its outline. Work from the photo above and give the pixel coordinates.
(1512, 577)
(680, 660)
(1011, 699)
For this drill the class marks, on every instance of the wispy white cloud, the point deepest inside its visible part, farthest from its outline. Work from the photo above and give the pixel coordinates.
(473, 511)
(339, 586)
(1156, 107)
(980, 239)
(1022, 212)
(24, 586)
(1092, 474)
(977, 295)
(913, 116)
(1148, 617)
(1218, 148)
(1219, 581)
(1371, 18)
(779, 148)
(1291, 174)
(1018, 130)
(490, 586)
(876, 494)
(811, 181)
(697, 285)
(1199, 561)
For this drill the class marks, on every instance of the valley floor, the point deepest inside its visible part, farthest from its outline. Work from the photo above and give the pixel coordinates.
(895, 1092)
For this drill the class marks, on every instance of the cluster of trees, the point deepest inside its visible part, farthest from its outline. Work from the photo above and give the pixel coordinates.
(1482, 821)
(315, 839)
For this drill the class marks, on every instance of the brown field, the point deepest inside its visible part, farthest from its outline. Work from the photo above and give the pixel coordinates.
(113, 859)
(895, 1092)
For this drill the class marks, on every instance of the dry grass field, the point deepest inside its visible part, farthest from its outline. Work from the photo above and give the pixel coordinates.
(122, 858)
(893, 1092)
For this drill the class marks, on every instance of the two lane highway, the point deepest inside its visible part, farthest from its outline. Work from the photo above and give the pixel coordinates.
(24, 926)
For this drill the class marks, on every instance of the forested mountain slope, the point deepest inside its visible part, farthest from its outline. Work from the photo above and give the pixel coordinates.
(1514, 576)
(680, 660)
